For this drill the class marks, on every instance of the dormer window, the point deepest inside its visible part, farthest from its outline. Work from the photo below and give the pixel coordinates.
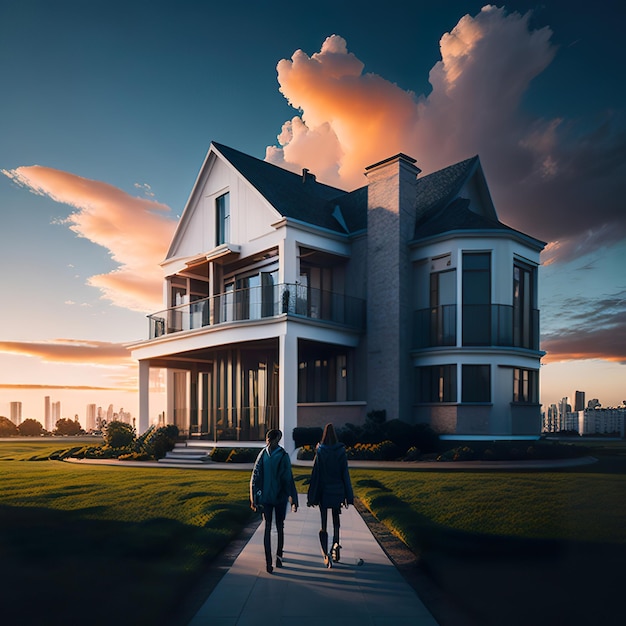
(222, 219)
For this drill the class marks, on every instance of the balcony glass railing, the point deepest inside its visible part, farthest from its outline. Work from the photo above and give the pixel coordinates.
(482, 325)
(260, 302)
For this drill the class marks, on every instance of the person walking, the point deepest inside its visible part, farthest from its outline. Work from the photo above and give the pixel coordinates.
(271, 487)
(330, 488)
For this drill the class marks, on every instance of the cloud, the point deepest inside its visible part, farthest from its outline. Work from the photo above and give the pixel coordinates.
(549, 177)
(596, 330)
(34, 387)
(99, 353)
(136, 231)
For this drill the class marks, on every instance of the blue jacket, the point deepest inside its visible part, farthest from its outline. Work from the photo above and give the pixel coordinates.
(330, 484)
(272, 479)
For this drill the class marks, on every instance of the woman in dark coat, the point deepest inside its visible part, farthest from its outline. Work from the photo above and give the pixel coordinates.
(330, 488)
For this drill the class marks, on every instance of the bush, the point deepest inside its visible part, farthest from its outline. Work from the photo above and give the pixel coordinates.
(155, 443)
(119, 435)
(304, 436)
(383, 451)
(306, 453)
(242, 455)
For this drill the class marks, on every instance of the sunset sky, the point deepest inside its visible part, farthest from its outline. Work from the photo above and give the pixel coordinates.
(108, 109)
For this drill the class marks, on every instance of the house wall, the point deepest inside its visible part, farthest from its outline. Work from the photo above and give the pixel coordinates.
(339, 413)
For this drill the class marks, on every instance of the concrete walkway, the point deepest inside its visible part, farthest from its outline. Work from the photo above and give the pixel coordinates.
(304, 592)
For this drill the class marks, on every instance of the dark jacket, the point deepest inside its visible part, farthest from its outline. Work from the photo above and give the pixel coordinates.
(272, 479)
(330, 484)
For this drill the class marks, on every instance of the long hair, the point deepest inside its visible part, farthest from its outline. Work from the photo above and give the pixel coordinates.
(329, 438)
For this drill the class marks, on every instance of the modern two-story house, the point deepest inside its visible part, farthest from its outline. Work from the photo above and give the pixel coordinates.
(289, 303)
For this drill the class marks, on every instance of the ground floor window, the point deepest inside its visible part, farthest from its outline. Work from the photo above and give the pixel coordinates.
(476, 383)
(229, 394)
(525, 385)
(323, 373)
(436, 383)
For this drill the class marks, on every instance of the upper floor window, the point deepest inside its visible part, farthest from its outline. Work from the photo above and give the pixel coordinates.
(476, 298)
(222, 219)
(525, 385)
(524, 279)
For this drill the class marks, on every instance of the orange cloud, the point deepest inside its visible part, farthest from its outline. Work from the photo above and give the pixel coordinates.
(71, 351)
(538, 169)
(136, 231)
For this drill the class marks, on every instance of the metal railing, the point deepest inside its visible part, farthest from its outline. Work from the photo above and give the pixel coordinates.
(255, 303)
(482, 325)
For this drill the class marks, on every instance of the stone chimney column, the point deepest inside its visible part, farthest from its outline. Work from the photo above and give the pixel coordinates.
(392, 188)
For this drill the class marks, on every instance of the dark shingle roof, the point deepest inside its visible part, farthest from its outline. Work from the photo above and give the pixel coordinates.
(457, 216)
(291, 195)
(304, 199)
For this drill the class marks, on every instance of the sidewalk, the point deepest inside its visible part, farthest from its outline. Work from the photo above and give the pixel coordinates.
(304, 592)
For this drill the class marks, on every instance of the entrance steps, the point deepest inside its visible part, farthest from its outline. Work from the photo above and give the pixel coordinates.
(188, 455)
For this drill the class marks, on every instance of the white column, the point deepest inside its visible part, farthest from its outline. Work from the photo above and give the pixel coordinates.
(288, 388)
(144, 396)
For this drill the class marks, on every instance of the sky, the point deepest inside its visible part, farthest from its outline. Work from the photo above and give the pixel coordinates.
(107, 110)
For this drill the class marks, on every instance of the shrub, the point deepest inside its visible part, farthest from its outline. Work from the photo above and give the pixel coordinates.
(383, 451)
(242, 455)
(306, 453)
(119, 435)
(304, 436)
(155, 443)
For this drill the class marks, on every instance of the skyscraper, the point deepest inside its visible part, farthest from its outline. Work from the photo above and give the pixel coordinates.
(16, 413)
(47, 421)
(90, 422)
(579, 402)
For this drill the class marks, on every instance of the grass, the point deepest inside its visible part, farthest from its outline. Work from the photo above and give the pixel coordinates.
(513, 548)
(103, 544)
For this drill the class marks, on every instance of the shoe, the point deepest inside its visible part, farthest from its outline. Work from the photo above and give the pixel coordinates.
(269, 568)
(328, 562)
(279, 561)
(334, 552)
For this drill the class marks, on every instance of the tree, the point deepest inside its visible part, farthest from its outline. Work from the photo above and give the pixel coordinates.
(119, 435)
(7, 427)
(30, 428)
(67, 426)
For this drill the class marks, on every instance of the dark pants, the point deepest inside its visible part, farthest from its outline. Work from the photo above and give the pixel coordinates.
(279, 511)
(336, 511)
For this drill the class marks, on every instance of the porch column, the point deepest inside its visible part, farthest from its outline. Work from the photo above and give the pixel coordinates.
(288, 389)
(144, 396)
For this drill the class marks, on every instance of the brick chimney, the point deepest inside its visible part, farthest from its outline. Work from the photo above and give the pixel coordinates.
(392, 189)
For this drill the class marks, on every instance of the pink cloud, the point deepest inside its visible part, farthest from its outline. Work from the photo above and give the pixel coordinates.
(136, 231)
(544, 174)
(71, 351)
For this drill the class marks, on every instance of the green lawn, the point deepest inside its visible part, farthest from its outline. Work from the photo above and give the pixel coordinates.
(100, 544)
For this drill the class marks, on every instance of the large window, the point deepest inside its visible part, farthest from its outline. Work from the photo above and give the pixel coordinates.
(322, 373)
(476, 383)
(523, 305)
(222, 219)
(525, 386)
(435, 383)
(443, 308)
(476, 298)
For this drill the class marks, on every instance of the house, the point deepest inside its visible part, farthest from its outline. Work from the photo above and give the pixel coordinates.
(289, 303)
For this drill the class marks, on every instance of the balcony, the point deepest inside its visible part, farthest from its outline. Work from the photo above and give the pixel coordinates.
(482, 325)
(255, 303)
